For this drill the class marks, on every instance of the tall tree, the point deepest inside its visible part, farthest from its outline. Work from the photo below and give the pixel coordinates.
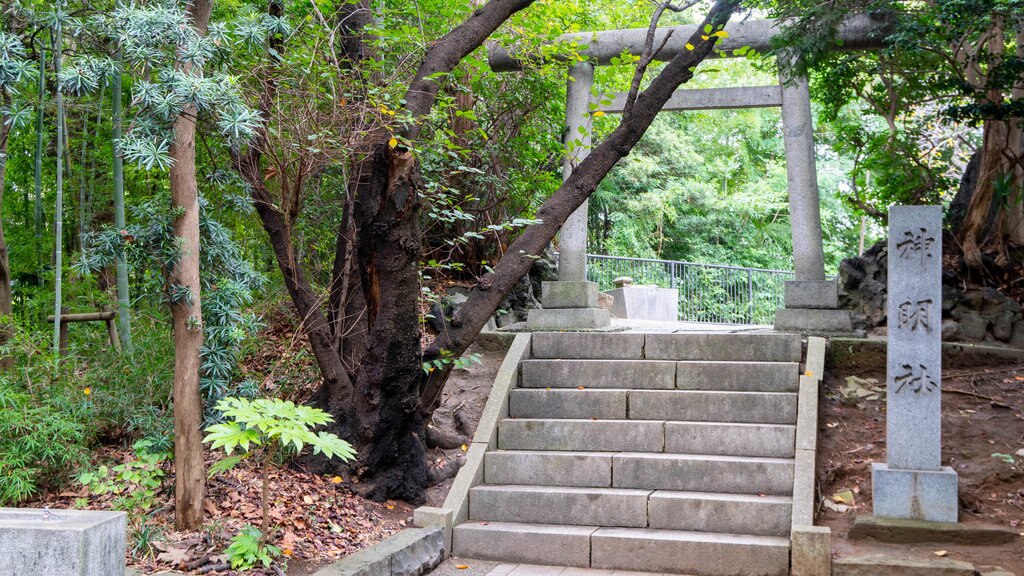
(58, 212)
(366, 336)
(186, 311)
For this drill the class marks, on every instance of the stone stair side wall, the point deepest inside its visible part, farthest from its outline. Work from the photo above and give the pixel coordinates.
(455, 509)
(810, 545)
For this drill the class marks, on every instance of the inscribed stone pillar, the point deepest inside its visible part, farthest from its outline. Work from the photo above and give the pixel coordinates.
(913, 483)
(572, 246)
(802, 177)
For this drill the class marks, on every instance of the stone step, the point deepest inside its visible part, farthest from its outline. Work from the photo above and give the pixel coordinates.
(559, 505)
(727, 513)
(695, 553)
(581, 435)
(609, 345)
(703, 473)
(732, 347)
(703, 406)
(598, 374)
(738, 376)
(567, 403)
(547, 544)
(583, 469)
(731, 439)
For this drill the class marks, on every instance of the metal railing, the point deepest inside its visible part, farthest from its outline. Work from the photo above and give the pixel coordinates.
(707, 292)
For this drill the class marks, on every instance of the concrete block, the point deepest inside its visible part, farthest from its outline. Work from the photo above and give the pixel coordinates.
(713, 512)
(568, 318)
(602, 345)
(646, 303)
(772, 440)
(689, 552)
(598, 374)
(524, 543)
(61, 542)
(568, 403)
(810, 321)
(471, 474)
(815, 367)
(431, 517)
(563, 294)
(803, 488)
(728, 347)
(548, 468)
(807, 414)
(372, 561)
(811, 294)
(415, 551)
(703, 473)
(876, 564)
(738, 376)
(702, 406)
(559, 505)
(914, 494)
(902, 531)
(811, 551)
(581, 435)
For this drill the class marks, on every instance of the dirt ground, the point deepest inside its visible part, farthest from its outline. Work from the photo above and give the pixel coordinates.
(982, 439)
(462, 403)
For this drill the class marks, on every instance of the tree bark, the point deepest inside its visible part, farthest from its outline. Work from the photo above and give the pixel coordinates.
(487, 295)
(187, 315)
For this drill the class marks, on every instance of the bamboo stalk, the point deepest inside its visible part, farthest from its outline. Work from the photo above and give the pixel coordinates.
(123, 303)
(59, 210)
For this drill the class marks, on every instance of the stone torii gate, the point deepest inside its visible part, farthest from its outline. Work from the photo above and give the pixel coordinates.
(811, 301)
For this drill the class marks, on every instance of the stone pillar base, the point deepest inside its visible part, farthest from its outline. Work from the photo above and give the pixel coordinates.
(814, 321)
(568, 319)
(929, 495)
(568, 305)
(812, 294)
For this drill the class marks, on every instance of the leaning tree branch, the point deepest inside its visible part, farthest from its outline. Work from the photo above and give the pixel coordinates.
(492, 288)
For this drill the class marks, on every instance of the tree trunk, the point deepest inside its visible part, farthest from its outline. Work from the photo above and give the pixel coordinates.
(5, 264)
(487, 295)
(186, 313)
(38, 166)
(123, 301)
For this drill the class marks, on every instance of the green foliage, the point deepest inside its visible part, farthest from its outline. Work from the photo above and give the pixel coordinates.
(264, 422)
(462, 363)
(247, 550)
(135, 482)
(42, 438)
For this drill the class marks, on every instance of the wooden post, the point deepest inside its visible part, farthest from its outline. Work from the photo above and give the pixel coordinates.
(115, 341)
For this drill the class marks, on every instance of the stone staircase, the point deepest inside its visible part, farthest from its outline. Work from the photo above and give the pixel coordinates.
(653, 452)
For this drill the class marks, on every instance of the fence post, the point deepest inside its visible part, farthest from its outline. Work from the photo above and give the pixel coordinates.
(750, 294)
(672, 275)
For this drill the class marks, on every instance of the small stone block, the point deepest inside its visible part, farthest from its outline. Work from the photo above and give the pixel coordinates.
(431, 516)
(810, 551)
(61, 542)
(914, 494)
(877, 564)
(902, 531)
(813, 321)
(561, 294)
(811, 294)
(568, 319)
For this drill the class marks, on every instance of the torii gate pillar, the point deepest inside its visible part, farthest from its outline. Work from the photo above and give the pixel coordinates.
(571, 302)
(811, 301)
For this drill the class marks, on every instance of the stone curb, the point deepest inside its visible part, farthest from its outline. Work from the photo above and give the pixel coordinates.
(455, 508)
(411, 552)
(810, 545)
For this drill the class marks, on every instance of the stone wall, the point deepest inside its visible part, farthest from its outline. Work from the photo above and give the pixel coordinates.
(969, 314)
